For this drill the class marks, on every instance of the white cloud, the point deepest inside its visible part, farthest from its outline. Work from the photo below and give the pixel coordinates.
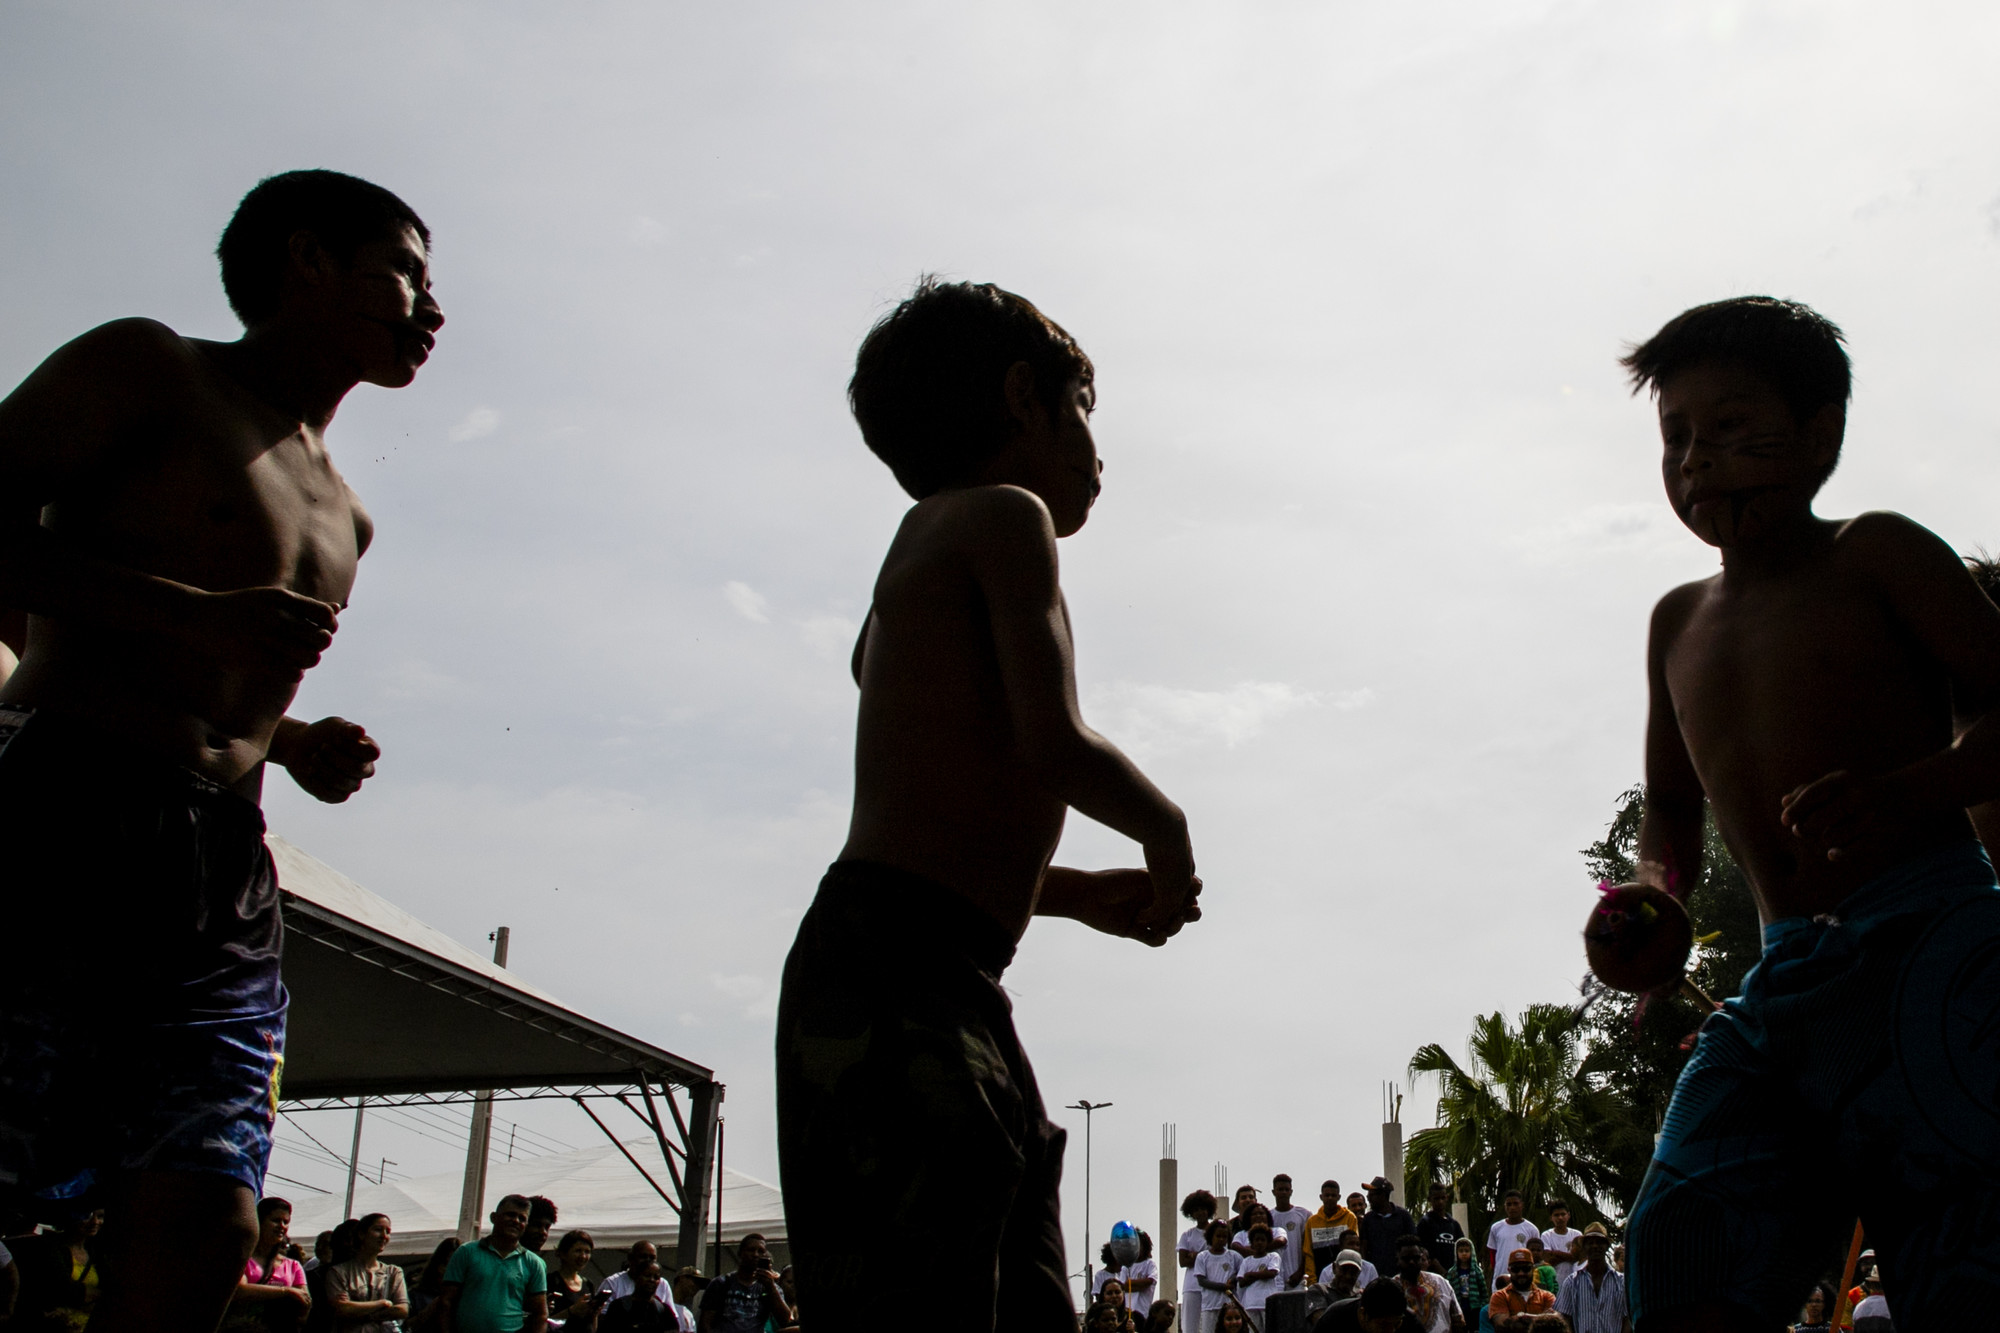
(1157, 719)
(832, 637)
(479, 422)
(748, 602)
(740, 986)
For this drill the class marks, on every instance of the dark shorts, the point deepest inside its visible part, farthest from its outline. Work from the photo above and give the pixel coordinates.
(1859, 1070)
(906, 1108)
(142, 1018)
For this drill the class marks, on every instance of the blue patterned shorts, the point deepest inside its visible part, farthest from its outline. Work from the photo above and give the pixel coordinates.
(1857, 1073)
(142, 1017)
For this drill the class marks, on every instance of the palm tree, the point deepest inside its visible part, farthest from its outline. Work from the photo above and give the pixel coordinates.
(1520, 1114)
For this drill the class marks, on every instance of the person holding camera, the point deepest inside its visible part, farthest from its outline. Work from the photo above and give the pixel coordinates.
(742, 1301)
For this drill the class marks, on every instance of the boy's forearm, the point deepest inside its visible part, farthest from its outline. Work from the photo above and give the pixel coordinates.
(1670, 846)
(1094, 778)
(1964, 774)
(40, 576)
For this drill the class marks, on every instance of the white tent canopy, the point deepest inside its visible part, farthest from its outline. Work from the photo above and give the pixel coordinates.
(388, 1010)
(595, 1187)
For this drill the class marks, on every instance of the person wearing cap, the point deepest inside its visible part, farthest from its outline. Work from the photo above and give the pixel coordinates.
(1323, 1230)
(1342, 1278)
(1520, 1300)
(1593, 1295)
(1383, 1225)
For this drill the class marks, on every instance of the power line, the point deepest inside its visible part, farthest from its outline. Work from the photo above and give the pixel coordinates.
(273, 1175)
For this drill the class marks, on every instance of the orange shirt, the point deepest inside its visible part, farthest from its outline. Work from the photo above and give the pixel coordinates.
(1508, 1301)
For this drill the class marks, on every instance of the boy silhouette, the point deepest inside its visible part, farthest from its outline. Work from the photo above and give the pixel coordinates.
(183, 544)
(900, 1079)
(1811, 692)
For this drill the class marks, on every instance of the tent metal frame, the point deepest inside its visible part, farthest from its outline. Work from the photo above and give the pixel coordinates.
(687, 1148)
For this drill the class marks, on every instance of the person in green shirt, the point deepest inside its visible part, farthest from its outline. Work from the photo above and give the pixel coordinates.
(1545, 1274)
(496, 1284)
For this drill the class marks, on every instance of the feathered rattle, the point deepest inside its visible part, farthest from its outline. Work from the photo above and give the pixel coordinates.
(1638, 938)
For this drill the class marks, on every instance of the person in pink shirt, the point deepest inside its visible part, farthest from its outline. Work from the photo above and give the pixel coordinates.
(271, 1294)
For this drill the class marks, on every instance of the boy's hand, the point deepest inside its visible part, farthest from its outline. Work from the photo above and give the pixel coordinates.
(1845, 812)
(1170, 864)
(1117, 902)
(331, 758)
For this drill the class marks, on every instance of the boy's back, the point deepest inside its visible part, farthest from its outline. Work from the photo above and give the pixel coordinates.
(1811, 692)
(900, 1078)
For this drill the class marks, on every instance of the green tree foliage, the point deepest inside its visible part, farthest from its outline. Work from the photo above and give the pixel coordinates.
(1520, 1113)
(1637, 1053)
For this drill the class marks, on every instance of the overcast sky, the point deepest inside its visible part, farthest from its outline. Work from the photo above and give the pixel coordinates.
(1368, 585)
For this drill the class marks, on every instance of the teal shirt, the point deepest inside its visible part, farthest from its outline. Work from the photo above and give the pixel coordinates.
(493, 1288)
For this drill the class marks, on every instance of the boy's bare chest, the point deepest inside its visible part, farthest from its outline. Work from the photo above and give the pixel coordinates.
(218, 501)
(1811, 657)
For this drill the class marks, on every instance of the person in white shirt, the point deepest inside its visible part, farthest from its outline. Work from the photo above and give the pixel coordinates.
(1291, 1219)
(1198, 1208)
(1261, 1273)
(642, 1273)
(1559, 1243)
(1432, 1301)
(1215, 1273)
(1255, 1213)
(1508, 1234)
(1592, 1295)
(1108, 1269)
(1142, 1279)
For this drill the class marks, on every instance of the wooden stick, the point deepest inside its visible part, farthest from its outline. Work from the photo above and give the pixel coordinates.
(1843, 1314)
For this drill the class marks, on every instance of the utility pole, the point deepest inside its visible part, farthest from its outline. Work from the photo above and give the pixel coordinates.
(1392, 1137)
(1089, 1273)
(354, 1156)
(478, 1145)
(1170, 1188)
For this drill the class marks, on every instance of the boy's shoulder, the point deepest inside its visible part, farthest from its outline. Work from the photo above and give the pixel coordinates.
(992, 509)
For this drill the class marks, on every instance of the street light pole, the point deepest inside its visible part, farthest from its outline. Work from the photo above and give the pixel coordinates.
(1087, 1107)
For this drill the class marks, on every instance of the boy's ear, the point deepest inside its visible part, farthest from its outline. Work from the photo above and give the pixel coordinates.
(1022, 403)
(311, 262)
(1825, 429)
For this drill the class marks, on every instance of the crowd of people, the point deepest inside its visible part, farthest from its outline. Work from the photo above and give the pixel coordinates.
(507, 1281)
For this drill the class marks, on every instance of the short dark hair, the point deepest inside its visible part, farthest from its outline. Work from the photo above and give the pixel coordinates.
(1557, 1203)
(749, 1236)
(269, 1204)
(1512, 1194)
(1985, 571)
(541, 1206)
(1209, 1234)
(344, 212)
(1256, 1227)
(1197, 1202)
(1792, 345)
(929, 386)
(1382, 1298)
(522, 1199)
(1333, 1185)
(1280, 1176)
(572, 1237)
(1409, 1238)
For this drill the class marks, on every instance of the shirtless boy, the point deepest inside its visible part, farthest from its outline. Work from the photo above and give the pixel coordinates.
(1811, 692)
(176, 531)
(900, 1079)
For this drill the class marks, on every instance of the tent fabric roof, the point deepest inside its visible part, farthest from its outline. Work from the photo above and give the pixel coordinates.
(385, 1005)
(595, 1187)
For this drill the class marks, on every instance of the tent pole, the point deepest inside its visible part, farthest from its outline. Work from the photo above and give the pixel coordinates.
(472, 1202)
(354, 1156)
(698, 1171)
(718, 1196)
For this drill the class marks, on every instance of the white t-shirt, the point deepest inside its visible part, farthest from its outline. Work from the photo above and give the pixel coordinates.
(1293, 1220)
(1503, 1238)
(1216, 1268)
(1254, 1294)
(620, 1285)
(1566, 1239)
(1192, 1241)
(1140, 1301)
